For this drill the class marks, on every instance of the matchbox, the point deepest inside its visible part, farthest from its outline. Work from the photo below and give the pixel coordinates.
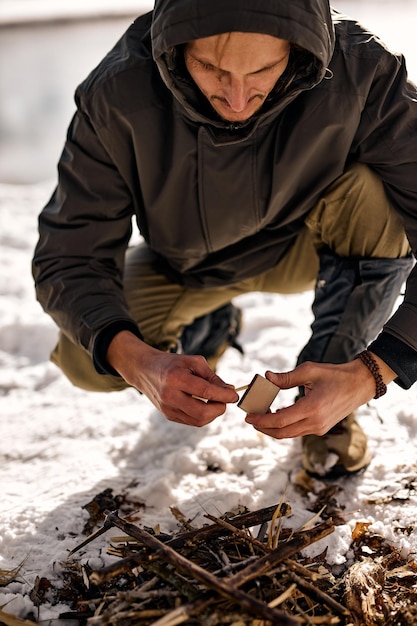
(259, 395)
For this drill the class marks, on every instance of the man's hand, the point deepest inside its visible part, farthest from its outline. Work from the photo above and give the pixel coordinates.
(331, 393)
(171, 380)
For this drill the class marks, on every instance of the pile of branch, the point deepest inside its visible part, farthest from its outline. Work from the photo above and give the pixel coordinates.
(219, 574)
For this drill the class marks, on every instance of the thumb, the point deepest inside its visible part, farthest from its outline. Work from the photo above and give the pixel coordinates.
(287, 380)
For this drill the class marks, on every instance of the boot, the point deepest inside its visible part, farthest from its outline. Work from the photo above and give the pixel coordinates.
(343, 450)
(353, 300)
(211, 334)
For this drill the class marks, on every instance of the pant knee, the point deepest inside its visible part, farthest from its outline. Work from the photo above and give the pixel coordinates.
(354, 217)
(78, 367)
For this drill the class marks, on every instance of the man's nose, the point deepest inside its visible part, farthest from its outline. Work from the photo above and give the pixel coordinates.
(236, 94)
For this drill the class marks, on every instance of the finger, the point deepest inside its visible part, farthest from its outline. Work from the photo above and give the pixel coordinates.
(298, 377)
(281, 418)
(288, 432)
(302, 418)
(210, 386)
(193, 414)
(212, 392)
(212, 378)
(192, 410)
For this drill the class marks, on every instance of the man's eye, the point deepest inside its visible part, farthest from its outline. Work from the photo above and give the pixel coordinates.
(206, 66)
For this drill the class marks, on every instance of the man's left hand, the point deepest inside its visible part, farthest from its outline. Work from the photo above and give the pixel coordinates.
(332, 392)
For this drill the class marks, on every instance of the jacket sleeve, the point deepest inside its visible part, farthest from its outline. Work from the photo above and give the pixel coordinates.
(84, 232)
(387, 141)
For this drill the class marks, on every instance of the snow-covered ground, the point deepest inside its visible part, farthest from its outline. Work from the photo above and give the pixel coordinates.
(60, 446)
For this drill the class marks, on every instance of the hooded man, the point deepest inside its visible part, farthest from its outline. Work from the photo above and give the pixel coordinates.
(261, 146)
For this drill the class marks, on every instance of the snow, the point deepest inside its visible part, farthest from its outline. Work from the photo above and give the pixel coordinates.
(61, 446)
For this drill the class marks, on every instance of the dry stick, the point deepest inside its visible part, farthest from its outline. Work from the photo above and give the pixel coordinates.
(258, 568)
(225, 589)
(127, 616)
(238, 532)
(261, 566)
(301, 569)
(185, 611)
(273, 542)
(283, 596)
(253, 518)
(262, 546)
(319, 595)
(247, 520)
(182, 585)
(106, 526)
(283, 552)
(99, 577)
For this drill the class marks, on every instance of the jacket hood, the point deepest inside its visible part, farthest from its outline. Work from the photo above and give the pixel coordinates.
(306, 23)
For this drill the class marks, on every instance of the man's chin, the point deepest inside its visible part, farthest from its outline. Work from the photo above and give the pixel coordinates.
(235, 118)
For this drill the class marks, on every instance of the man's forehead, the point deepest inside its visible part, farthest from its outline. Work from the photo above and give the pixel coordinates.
(251, 52)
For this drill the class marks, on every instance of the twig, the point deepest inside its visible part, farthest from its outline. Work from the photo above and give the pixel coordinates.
(99, 577)
(106, 526)
(284, 551)
(273, 541)
(183, 613)
(180, 517)
(238, 532)
(244, 520)
(155, 555)
(283, 596)
(320, 595)
(247, 520)
(225, 589)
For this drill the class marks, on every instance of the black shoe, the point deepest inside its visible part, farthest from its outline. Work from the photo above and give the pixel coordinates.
(211, 334)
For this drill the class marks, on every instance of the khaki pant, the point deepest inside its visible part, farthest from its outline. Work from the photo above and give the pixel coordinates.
(353, 218)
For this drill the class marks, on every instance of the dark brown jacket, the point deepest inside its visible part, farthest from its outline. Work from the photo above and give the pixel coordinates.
(217, 201)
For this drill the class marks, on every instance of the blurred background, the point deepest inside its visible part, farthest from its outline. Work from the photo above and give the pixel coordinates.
(48, 46)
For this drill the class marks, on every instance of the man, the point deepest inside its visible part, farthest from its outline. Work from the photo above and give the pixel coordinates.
(266, 146)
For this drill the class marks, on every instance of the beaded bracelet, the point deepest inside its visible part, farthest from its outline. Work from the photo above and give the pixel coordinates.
(368, 360)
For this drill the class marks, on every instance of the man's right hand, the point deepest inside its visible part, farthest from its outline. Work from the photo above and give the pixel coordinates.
(171, 381)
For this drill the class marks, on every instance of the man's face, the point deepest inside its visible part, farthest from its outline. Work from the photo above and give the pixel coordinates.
(236, 71)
